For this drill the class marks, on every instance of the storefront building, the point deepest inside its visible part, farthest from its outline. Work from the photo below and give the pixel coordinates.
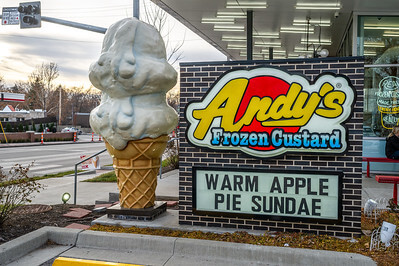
(353, 40)
(298, 28)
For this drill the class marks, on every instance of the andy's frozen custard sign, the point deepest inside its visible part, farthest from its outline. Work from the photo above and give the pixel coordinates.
(266, 112)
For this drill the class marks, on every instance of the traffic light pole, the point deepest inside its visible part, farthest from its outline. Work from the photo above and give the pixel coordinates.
(73, 24)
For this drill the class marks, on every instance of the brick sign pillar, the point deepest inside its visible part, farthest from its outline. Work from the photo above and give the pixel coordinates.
(334, 175)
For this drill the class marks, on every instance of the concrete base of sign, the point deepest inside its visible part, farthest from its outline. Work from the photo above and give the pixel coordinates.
(147, 214)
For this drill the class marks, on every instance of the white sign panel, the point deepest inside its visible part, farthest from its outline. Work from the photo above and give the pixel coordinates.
(91, 164)
(10, 16)
(284, 194)
(12, 97)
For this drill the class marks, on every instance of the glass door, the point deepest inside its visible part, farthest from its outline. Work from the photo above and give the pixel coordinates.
(378, 41)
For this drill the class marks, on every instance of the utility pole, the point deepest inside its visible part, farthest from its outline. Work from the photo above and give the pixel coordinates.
(59, 107)
(136, 9)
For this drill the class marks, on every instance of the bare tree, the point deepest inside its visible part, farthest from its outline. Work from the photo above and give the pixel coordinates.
(77, 100)
(173, 98)
(157, 17)
(2, 84)
(41, 82)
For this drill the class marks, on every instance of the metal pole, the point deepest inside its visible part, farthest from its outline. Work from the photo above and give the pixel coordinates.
(76, 173)
(75, 189)
(136, 9)
(271, 53)
(249, 34)
(75, 24)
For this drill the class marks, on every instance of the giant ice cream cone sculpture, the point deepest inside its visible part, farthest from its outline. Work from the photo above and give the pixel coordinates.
(133, 117)
(136, 167)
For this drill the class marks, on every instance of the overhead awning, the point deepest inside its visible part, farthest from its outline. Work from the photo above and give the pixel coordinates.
(290, 27)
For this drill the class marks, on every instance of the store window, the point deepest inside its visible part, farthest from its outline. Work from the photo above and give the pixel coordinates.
(378, 41)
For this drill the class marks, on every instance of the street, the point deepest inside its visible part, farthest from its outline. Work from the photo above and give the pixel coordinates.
(49, 159)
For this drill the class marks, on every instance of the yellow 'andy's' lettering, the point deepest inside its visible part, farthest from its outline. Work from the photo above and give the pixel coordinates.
(224, 105)
(293, 109)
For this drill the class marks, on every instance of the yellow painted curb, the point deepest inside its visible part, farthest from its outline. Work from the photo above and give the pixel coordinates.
(62, 261)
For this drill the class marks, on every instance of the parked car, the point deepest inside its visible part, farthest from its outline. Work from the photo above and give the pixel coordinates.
(72, 129)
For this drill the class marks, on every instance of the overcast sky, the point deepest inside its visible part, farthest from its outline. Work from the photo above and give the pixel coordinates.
(21, 50)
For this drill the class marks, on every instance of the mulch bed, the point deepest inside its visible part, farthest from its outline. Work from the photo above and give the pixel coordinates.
(29, 218)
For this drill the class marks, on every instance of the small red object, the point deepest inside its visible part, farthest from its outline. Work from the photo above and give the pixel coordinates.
(42, 138)
(391, 180)
(377, 160)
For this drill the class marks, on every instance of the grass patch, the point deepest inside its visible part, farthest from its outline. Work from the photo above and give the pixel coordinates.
(111, 177)
(165, 163)
(62, 174)
(106, 177)
(35, 178)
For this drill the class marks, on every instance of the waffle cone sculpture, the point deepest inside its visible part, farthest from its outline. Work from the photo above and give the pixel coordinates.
(136, 168)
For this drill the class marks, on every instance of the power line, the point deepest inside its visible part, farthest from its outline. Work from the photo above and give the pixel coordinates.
(88, 8)
(85, 12)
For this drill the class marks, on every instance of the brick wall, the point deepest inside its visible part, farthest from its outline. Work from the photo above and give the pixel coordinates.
(196, 79)
(35, 137)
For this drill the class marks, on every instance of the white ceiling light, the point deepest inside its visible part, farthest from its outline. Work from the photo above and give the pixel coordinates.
(317, 22)
(267, 35)
(236, 46)
(246, 4)
(267, 44)
(316, 41)
(228, 27)
(381, 27)
(389, 33)
(218, 20)
(231, 14)
(297, 30)
(319, 6)
(279, 56)
(279, 52)
(299, 55)
(234, 38)
(243, 53)
(303, 50)
(374, 44)
(370, 52)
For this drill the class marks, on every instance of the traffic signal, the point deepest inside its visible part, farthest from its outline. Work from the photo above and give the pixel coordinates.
(29, 15)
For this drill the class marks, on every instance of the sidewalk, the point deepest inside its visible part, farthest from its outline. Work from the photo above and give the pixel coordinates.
(374, 190)
(90, 192)
(168, 186)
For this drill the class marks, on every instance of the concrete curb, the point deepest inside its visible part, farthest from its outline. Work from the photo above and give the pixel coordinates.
(125, 242)
(158, 250)
(236, 252)
(25, 244)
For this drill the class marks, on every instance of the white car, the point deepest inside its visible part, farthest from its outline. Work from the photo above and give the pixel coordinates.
(71, 129)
